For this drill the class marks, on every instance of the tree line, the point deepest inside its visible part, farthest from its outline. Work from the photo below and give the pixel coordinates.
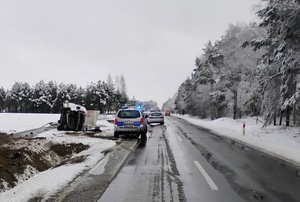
(47, 97)
(252, 70)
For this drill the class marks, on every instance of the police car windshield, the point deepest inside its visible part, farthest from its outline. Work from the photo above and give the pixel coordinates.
(129, 114)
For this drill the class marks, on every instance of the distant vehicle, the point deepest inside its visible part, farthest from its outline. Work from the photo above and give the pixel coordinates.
(168, 113)
(146, 114)
(130, 121)
(156, 117)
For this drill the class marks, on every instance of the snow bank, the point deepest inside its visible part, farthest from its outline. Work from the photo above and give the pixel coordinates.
(281, 141)
(17, 122)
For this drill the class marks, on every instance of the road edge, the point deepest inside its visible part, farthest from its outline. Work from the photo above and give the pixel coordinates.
(272, 154)
(90, 186)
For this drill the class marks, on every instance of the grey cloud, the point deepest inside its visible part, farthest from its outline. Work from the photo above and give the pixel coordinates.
(152, 43)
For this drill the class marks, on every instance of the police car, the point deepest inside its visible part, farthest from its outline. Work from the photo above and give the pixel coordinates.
(130, 120)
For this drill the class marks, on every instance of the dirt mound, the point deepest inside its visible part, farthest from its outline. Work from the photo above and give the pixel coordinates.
(22, 158)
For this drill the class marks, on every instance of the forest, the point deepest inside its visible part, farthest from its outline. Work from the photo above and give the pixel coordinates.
(253, 70)
(48, 97)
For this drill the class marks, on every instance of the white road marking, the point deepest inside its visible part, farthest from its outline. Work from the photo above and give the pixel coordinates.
(209, 181)
(179, 139)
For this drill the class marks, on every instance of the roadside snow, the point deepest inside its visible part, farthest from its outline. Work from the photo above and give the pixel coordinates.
(17, 122)
(49, 182)
(281, 141)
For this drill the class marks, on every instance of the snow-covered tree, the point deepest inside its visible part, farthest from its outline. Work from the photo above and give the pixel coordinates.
(81, 96)
(67, 92)
(49, 97)
(110, 83)
(41, 97)
(19, 96)
(183, 101)
(148, 105)
(102, 93)
(97, 95)
(52, 96)
(111, 95)
(223, 81)
(170, 103)
(239, 64)
(120, 93)
(2, 98)
(123, 87)
(280, 66)
(117, 84)
(206, 78)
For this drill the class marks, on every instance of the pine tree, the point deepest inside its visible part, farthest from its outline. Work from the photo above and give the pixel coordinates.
(280, 66)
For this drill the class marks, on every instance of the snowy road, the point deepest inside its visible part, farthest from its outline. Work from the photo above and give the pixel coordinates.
(182, 162)
(249, 173)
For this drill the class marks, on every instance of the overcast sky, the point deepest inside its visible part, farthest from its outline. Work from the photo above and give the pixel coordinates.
(152, 43)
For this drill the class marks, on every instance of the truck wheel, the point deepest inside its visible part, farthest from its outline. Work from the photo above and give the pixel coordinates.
(116, 135)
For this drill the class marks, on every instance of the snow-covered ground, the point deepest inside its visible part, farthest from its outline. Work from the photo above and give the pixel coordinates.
(281, 141)
(17, 122)
(50, 181)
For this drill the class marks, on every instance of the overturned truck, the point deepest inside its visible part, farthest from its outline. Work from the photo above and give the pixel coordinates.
(76, 118)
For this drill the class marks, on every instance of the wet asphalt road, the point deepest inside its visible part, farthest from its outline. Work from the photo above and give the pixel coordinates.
(253, 175)
(182, 162)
